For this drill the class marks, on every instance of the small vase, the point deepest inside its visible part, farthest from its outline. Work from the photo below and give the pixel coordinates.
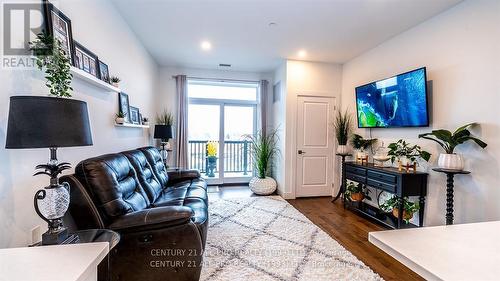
(211, 166)
(451, 161)
(342, 149)
(115, 84)
(120, 120)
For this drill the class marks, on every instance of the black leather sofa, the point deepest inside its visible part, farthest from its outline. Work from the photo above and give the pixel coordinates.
(162, 216)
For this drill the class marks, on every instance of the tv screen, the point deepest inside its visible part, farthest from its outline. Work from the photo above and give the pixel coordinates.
(399, 101)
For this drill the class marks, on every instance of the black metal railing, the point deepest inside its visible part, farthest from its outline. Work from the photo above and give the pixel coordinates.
(236, 156)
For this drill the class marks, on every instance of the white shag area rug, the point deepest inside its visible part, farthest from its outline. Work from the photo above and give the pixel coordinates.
(266, 238)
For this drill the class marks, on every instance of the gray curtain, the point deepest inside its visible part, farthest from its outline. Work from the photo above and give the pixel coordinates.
(263, 85)
(182, 121)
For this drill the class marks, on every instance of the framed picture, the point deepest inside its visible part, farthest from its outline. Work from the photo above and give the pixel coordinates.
(85, 59)
(104, 72)
(123, 106)
(134, 115)
(58, 25)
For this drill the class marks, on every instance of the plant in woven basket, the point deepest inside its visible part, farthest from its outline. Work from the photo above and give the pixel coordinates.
(409, 207)
(356, 192)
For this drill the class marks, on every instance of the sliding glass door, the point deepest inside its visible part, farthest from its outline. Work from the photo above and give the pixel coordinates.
(220, 115)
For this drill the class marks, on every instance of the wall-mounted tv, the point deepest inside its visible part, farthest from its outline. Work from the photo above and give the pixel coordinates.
(398, 101)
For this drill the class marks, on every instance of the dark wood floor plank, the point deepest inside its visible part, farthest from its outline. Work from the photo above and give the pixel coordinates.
(351, 231)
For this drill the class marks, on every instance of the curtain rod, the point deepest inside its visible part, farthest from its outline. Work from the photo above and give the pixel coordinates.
(218, 79)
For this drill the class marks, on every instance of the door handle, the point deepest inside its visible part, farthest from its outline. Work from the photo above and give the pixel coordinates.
(301, 152)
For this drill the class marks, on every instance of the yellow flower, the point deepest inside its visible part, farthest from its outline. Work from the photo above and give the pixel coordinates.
(212, 148)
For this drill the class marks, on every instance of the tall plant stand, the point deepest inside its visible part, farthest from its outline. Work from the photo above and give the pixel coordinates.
(342, 172)
(450, 174)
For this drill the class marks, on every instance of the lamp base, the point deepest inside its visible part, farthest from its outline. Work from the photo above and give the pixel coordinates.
(59, 237)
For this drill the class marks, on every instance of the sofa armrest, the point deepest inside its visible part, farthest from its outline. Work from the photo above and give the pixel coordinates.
(180, 175)
(154, 218)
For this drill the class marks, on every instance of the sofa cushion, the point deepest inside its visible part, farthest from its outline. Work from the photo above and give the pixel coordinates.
(112, 182)
(145, 174)
(156, 162)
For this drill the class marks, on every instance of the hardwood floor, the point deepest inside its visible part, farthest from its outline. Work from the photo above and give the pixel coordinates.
(351, 231)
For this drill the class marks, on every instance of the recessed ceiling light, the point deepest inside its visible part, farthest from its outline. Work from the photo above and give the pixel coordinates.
(272, 24)
(302, 54)
(205, 45)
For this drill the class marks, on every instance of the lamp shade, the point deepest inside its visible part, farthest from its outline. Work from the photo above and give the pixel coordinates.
(163, 132)
(41, 122)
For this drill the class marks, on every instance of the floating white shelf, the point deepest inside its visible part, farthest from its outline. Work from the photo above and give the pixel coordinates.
(89, 78)
(128, 125)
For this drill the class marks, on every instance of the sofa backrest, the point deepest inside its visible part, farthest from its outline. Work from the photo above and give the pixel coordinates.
(154, 158)
(145, 174)
(113, 185)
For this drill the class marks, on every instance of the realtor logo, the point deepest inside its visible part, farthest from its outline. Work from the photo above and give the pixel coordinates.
(21, 23)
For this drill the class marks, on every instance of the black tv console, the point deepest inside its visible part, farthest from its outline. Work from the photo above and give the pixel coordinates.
(400, 183)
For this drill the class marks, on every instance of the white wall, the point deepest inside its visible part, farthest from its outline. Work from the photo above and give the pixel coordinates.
(303, 78)
(168, 99)
(101, 29)
(461, 50)
(278, 112)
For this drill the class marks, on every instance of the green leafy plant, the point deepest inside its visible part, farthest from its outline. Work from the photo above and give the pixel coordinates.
(353, 188)
(449, 141)
(358, 142)
(409, 207)
(115, 79)
(403, 149)
(263, 150)
(342, 125)
(51, 58)
(120, 114)
(165, 118)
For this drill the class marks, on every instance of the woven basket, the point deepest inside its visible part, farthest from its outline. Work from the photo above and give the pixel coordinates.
(264, 186)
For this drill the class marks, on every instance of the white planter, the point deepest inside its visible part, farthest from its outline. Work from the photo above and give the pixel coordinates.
(451, 161)
(264, 186)
(342, 149)
(115, 84)
(120, 120)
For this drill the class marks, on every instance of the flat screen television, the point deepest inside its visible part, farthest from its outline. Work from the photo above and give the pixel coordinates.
(398, 101)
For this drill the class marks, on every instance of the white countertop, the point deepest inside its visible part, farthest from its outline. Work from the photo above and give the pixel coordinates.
(453, 252)
(75, 262)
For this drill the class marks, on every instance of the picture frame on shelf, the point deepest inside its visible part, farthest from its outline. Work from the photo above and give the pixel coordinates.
(135, 116)
(85, 59)
(104, 72)
(58, 25)
(124, 106)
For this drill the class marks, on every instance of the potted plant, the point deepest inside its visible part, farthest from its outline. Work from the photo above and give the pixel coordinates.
(263, 150)
(211, 158)
(356, 192)
(120, 117)
(342, 126)
(409, 207)
(360, 144)
(115, 80)
(145, 121)
(407, 154)
(449, 141)
(165, 118)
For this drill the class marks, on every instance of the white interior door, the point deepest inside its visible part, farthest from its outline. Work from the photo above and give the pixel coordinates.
(314, 146)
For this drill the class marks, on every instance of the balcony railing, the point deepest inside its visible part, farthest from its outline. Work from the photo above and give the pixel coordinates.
(236, 157)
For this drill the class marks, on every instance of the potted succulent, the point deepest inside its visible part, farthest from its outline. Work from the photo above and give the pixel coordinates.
(360, 144)
(342, 125)
(145, 121)
(407, 154)
(449, 141)
(211, 158)
(409, 207)
(115, 80)
(263, 150)
(120, 117)
(356, 192)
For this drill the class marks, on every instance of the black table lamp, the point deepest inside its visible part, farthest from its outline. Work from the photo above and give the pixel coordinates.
(164, 133)
(48, 122)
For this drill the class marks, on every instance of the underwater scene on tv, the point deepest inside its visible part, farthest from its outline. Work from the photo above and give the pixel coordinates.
(399, 101)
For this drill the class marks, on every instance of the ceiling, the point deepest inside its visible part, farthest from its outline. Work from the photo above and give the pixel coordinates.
(329, 30)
